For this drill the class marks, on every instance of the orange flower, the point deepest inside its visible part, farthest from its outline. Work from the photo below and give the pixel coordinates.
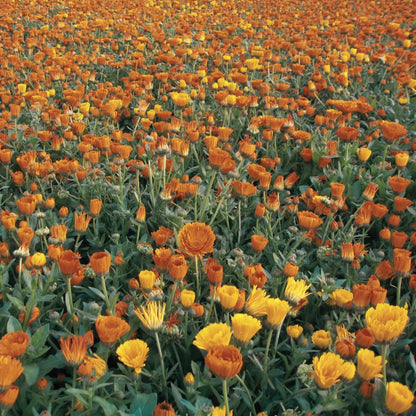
(141, 214)
(68, 263)
(58, 233)
(74, 349)
(161, 257)
(258, 242)
(337, 189)
(214, 271)
(196, 239)
(161, 235)
(95, 206)
(8, 398)
(402, 261)
(392, 131)
(364, 338)
(309, 220)
(25, 235)
(178, 267)
(100, 262)
(163, 409)
(398, 184)
(347, 134)
(224, 361)
(81, 221)
(26, 204)
(14, 343)
(10, 370)
(111, 328)
(8, 219)
(291, 269)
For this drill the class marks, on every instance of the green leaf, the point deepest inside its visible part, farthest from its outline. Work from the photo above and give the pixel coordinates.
(13, 325)
(31, 373)
(109, 409)
(143, 404)
(40, 336)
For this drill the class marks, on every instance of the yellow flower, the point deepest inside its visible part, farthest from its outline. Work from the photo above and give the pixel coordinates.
(386, 322)
(211, 335)
(328, 369)
(348, 370)
(340, 297)
(220, 411)
(133, 353)
(228, 296)
(321, 339)
(294, 331)
(151, 315)
(93, 367)
(368, 365)
(399, 398)
(245, 327)
(256, 302)
(296, 290)
(277, 310)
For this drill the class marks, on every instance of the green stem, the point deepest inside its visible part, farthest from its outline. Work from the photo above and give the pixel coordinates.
(107, 300)
(162, 366)
(225, 394)
(399, 289)
(198, 290)
(204, 204)
(241, 381)
(384, 348)
(211, 305)
(266, 353)
(70, 300)
(171, 296)
(239, 223)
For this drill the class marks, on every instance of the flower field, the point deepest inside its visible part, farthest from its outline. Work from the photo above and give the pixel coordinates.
(207, 207)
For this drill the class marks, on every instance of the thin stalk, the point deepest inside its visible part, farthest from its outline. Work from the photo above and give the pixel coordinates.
(198, 290)
(225, 394)
(399, 289)
(266, 353)
(239, 223)
(162, 366)
(107, 300)
(211, 304)
(384, 348)
(241, 381)
(204, 204)
(171, 296)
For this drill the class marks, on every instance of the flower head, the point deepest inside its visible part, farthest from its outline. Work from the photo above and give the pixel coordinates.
(211, 335)
(296, 290)
(328, 369)
(111, 328)
(14, 343)
(277, 309)
(386, 322)
(151, 315)
(133, 353)
(10, 370)
(399, 397)
(74, 349)
(256, 302)
(224, 361)
(244, 327)
(368, 365)
(196, 239)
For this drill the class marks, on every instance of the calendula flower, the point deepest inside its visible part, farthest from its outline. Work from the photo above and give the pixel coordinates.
(328, 369)
(14, 343)
(341, 297)
(147, 279)
(220, 411)
(187, 298)
(258, 242)
(163, 409)
(309, 220)
(277, 310)
(81, 221)
(399, 397)
(8, 398)
(68, 263)
(133, 353)
(10, 370)
(151, 315)
(321, 339)
(111, 328)
(256, 302)
(228, 296)
(391, 130)
(244, 327)
(291, 269)
(368, 365)
(178, 267)
(386, 322)
(296, 290)
(294, 331)
(196, 239)
(92, 367)
(211, 335)
(74, 349)
(100, 262)
(224, 361)
(95, 206)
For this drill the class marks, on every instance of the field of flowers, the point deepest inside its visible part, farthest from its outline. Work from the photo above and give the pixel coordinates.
(207, 207)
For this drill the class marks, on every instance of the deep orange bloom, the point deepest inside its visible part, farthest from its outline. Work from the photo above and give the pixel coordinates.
(196, 239)
(81, 221)
(178, 267)
(214, 271)
(95, 206)
(309, 220)
(74, 349)
(100, 262)
(163, 409)
(258, 242)
(347, 134)
(161, 257)
(68, 263)
(392, 131)
(398, 184)
(224, 361)
(26, 204)
(8, 398)
(14, 343)
(402, 261)
(161, 235)
(111, 328)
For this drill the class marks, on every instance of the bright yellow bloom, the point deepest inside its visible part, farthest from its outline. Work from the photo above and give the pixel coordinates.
(328, 369)
(220, 411)
(340, 297)
(133, 353)
(321, 339)
(368, 365)
(277, 310)
(228, 296)
(151, 315)
(386, 322)
(294, 331)
(399, 398)
(296, 290)
(211, 335)
(245, 327)
(256, 302)
(93, 367)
